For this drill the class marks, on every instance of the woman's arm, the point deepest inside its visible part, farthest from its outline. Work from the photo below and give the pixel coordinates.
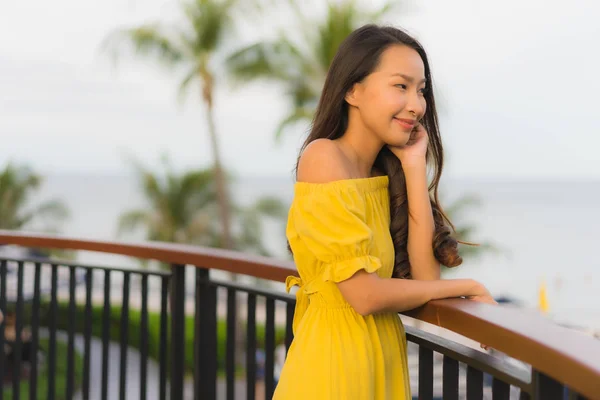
(369, 294)
(423, 264)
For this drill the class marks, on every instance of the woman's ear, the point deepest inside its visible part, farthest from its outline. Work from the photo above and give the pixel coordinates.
(352, 96)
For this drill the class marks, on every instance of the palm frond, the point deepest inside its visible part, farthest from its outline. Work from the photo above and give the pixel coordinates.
(148, 41)
(17, 184)
(303, 95)
(52, 210)
(250, 237)
(149, 183)
(462, 203)
(297, 115)
(340, 21)
(133, 220)
(270, 206)
(190, 193)
(270, 60)
(185, 83)
(210, 20)
(199, 187)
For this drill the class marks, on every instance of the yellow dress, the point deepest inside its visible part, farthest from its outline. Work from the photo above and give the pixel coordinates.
(336, 229)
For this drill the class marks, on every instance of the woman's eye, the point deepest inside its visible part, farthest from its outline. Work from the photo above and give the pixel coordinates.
(401, 86)
(423, 91)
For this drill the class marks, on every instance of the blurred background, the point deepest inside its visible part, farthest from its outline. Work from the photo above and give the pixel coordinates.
(181, 121)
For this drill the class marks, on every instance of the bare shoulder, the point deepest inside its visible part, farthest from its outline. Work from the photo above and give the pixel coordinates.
(322, 161)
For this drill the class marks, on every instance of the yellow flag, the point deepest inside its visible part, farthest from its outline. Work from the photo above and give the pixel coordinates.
(542, 298)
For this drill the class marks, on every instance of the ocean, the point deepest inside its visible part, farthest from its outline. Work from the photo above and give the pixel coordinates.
(544, 231)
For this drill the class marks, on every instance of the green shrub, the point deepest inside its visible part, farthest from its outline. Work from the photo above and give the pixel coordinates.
(134, 330)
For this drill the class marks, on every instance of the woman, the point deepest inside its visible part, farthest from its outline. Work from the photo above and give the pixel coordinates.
(367, 239)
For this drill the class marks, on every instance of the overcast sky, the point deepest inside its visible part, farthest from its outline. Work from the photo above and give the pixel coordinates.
(518, 83)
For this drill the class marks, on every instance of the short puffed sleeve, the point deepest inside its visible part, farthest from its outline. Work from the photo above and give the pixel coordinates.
(329, 222)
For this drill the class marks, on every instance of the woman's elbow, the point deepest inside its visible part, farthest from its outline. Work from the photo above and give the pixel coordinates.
(366, 306)
(365, 302)
(361, 292)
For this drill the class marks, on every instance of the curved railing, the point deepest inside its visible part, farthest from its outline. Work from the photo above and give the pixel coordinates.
(562, 361)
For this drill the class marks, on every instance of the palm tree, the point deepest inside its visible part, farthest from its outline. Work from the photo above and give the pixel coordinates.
(251, 227)
(299, 62)
(190, 47)
(181, 209)
(465, 231)
(17, 184)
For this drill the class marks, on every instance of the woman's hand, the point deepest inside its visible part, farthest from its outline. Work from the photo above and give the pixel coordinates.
(483, 299)
(415, 149)
(482, 295)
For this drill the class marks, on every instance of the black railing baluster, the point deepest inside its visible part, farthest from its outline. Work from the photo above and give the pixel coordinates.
(3, 274)
(53, 315)
(198, 331)
(71, 334)
(211, 324)
(124, 335)
(163, 353)
(270, 349)
(251, 348)
(573, 395)
(230, 352)
(547, 388)
(524, 395)
(35, 333)
(482, 365)
(474, 384)
(144, 339)
(105, 334)
(450, 378)
(177, 337)
(18, 351)
(289, 320)
(500, 390)
(205, 337)
(425, 373)
(87, 334)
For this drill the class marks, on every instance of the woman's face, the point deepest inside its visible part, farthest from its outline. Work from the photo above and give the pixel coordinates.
(391, 99)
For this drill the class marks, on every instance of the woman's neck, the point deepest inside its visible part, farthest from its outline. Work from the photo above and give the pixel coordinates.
(361, 147)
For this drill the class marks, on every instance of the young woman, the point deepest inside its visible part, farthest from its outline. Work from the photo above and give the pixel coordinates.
(366, 237)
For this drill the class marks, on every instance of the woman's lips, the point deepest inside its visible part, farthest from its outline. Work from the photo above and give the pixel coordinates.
(405, 123)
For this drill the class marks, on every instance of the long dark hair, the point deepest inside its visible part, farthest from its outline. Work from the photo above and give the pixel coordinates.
(358, 55)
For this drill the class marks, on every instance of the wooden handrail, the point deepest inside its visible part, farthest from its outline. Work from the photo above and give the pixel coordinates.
(566, 355)
(172, 253)
(563, 354)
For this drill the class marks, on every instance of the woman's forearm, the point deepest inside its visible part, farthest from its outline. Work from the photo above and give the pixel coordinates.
(369, 294)
(424, 265)
(400, 295)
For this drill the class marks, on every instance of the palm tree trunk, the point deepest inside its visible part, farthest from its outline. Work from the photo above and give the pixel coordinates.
(220, 179)
(223, 199)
